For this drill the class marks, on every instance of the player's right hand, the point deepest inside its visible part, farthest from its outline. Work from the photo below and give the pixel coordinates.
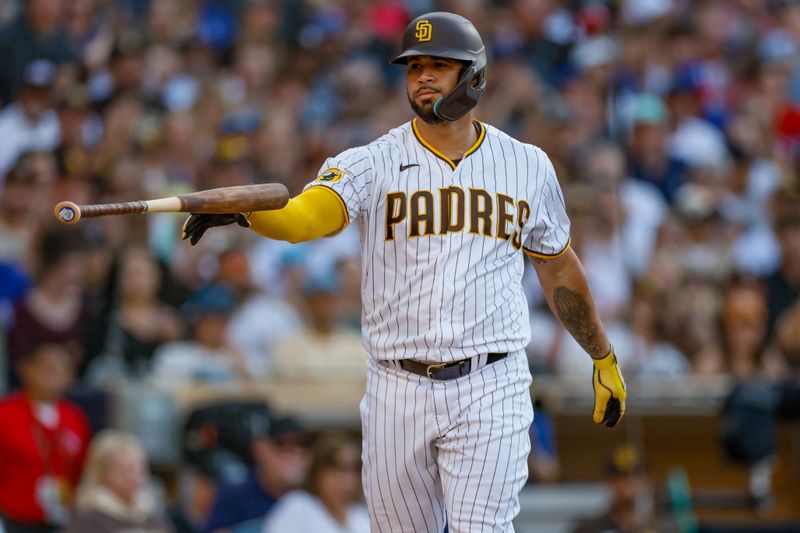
(196, 225)
(609, 391)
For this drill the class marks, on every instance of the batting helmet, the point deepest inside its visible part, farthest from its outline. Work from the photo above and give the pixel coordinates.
(448, 35)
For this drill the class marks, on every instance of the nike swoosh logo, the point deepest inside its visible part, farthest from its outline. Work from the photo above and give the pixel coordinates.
(406, 167)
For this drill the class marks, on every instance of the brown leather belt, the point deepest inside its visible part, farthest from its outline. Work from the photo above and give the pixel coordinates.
(445, 371)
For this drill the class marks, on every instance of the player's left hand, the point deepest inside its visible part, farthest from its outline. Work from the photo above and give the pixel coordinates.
(196, 225)
(609, 391)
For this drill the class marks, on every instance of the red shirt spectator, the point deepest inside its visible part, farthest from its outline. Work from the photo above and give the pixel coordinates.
(43, 439)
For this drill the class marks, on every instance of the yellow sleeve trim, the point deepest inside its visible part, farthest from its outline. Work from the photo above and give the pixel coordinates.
(340, 200)
(548, 256)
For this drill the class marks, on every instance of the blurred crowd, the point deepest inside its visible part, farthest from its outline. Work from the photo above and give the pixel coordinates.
(674, 127)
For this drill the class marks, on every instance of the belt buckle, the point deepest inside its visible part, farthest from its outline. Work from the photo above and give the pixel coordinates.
(430, 368)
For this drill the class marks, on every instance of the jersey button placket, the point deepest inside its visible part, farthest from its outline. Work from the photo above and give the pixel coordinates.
(444, 295)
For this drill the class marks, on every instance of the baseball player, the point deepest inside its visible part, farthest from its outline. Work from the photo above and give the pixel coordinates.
(447, 207)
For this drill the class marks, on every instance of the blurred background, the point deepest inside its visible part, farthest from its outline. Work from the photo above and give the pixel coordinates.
(193, 387)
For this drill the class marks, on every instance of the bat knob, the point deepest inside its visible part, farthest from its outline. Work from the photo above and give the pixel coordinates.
(67, 212)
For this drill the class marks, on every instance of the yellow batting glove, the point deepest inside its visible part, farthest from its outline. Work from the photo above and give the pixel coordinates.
(609, 391)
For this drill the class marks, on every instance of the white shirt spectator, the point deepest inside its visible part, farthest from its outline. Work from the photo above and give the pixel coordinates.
(300, 512)
(20, 135)
(608, 275)
(257, 326)
(698, 143)
(177, 364)
(645, 209)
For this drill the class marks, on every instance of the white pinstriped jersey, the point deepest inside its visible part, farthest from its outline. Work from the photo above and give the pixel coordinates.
(442, 244)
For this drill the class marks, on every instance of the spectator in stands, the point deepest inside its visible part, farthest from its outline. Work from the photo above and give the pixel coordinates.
(330, 501)
(179, 94)
(196, 493)
(281, 464)
(55, 309)
(136, 325)
(260, 318)
(601, 242)
(745, 351)
(648, 157)
(634, 207)
(18, 218)
(30, 122)
(38, 33)
(783, 286)
(543, 463)
(690, 318)
(217, 451)
(650, 354)
(113, 494)
(706, 251)
(207, 357)
(631, 507)
(348, 269)
(43, 439)
(787, 333)
(261, 321)
(326, 350)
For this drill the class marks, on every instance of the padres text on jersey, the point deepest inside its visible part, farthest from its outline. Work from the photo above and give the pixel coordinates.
(442, 243)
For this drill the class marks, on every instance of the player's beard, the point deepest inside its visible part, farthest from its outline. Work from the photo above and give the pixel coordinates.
(424, 112)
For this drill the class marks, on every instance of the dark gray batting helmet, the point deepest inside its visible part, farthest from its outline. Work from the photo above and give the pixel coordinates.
(451, 36)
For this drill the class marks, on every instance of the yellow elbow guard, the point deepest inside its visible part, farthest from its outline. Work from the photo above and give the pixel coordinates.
(317, 212)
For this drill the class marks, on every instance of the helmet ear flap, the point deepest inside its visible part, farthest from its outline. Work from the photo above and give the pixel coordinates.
(464, 95)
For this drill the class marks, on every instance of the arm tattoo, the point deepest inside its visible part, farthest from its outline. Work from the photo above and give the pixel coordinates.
(576, 316)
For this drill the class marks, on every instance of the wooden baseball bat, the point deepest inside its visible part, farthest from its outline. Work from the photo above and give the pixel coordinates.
(241, 198)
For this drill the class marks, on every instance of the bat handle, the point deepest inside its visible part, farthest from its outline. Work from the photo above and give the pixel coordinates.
(70, 212)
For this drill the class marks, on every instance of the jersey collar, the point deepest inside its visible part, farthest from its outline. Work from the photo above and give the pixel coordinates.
(481, 135)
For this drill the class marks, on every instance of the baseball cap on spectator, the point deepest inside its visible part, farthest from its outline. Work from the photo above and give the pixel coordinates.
(557, 111)
(688, 78)
(594, 52)
(40, 73)
(777, 46)
(216, 26)
(626, 460)
(216, 438)
(220, 465)
(180, 93)
(321, 283)
(241, 122)
(210, 300)
(649, 109)
(284, 430)
(637, 12)
(699, 144)
(594, 17)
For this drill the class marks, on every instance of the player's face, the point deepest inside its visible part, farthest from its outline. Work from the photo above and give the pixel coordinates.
(428, 79)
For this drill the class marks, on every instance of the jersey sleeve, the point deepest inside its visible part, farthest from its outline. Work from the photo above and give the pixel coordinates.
(349, 175)
(548, 237)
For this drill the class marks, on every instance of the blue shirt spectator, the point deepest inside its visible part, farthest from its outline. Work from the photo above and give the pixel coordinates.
(239, 503)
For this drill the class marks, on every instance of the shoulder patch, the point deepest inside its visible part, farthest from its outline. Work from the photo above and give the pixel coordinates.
(330, 175)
